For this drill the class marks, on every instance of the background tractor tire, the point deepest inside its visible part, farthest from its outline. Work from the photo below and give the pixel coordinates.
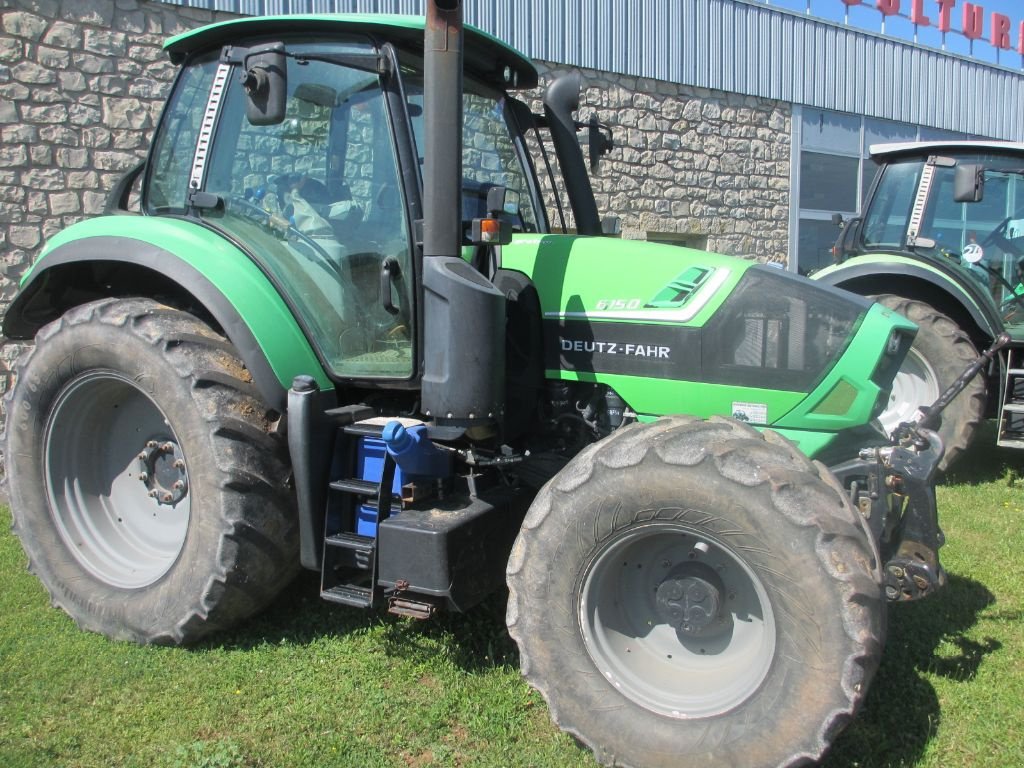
(688, 593)
(147, 482)
(940, 353)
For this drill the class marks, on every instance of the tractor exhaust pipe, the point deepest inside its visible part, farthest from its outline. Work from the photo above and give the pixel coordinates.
(442, 117)
(463, 381)
(561, 99)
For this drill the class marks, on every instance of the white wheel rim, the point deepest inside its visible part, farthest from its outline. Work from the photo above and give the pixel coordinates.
(916, 385)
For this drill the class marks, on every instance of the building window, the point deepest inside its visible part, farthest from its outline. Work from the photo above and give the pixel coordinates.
(683, 239)
(832, 173)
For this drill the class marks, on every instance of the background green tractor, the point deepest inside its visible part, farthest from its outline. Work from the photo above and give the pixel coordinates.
(941, 241)
(339, 335)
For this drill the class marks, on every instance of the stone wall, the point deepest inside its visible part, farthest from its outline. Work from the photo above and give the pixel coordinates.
(82, 84)
(692, 165)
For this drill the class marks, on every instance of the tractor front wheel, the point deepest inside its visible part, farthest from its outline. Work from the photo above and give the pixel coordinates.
(689, 593)
(940, 353)
(147, 483)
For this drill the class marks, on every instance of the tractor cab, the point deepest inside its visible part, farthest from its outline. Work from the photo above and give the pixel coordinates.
(941, 239)
(959, 207)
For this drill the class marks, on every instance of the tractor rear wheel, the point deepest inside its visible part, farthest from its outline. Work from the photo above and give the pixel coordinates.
(147, 483)
(940, 353)
(689, 593)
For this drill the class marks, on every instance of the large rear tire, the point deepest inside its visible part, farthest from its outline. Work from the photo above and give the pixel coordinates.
(940, 353)
(689, 593)
(147, 481)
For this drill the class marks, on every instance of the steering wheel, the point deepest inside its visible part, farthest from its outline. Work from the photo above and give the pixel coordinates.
(316, 252)
(998, 237)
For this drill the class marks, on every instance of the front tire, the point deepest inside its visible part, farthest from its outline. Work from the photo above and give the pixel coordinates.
(689, 593)
(147, 483)
(940, 353)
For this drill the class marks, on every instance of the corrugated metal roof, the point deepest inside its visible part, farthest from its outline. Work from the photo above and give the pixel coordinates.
(732, 45)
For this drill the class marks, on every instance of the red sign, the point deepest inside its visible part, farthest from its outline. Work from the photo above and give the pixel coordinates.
(939, 13)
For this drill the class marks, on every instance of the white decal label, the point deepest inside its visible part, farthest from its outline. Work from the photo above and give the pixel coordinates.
(973, 253)
(752, 413)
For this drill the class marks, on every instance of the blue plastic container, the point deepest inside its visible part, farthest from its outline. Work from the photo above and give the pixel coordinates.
(370, 463)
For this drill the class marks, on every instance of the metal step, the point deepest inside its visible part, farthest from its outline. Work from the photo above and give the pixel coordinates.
(347, 594)
(351, 541)
(1004, 442)
(356, 486)
(1014, 407)
(1015, 371)
(364, 430)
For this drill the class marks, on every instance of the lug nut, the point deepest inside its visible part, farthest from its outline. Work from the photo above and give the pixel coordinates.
(168, 447)
(168, 498)
(178, 464)
(179, 485)
(152, 444)
(153, 493)
(143, 477)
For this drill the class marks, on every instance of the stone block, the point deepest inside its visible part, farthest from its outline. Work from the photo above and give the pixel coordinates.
(91, 64)
(63, 35)
(53, 113)
(25, 237)
(62, 203)
(69, 157)
(98, 12)
(46, 179)
(53, 58)
(58, 134)
(32, 74)
(96, 137)
(82, 179)
(105, 42)
(72, 81)
(93, 202)
(11, 49)
(23, 24)
(125, 113)
(81, 114)
(41, 154)
(114, 161)
(19, 133)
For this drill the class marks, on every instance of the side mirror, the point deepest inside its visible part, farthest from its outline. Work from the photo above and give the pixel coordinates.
(969, 183)
(265, 79)
(837, 220)
(599, 142)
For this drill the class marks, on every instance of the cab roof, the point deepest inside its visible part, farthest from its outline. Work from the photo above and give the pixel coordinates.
(885, 152)
(485, 55)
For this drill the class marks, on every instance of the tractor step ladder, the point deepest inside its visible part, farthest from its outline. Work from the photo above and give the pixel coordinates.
(1011, 411)
(349, 574)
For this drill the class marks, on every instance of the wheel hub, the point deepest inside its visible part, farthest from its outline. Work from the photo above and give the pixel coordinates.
(162, 471)
(690, 599)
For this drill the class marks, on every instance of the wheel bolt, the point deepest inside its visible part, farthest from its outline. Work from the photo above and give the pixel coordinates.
(143, 477)
(178, 464)
(143, 456)
(179, 485)
(167, 447)
(152, 444)
(168, 498)
(153, 493)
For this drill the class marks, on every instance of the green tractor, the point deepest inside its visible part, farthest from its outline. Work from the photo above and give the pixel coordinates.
(339, 335)
(941, 241)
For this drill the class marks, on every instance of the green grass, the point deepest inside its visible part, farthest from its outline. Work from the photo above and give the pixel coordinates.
(308, 684)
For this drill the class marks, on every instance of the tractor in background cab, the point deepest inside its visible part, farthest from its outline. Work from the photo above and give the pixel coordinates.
(339, 334)
(941, 241)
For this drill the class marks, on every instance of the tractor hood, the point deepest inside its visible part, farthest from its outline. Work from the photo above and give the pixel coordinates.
(677, 330)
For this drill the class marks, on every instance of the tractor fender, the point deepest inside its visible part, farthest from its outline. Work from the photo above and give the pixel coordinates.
(967, 304)
(171, 260)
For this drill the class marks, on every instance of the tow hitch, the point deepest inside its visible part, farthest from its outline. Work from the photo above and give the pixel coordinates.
(893, 487)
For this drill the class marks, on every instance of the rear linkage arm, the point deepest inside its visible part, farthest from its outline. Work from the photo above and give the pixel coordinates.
(899, 498)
